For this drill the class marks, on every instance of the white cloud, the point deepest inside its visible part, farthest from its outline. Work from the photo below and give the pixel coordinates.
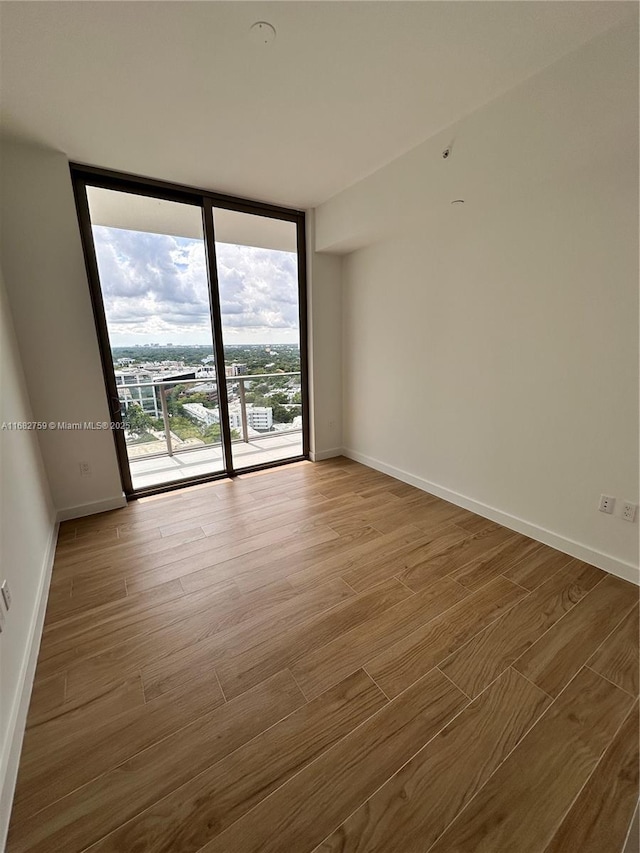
(155, 289)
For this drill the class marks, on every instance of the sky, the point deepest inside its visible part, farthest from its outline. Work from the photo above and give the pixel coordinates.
(154, 288)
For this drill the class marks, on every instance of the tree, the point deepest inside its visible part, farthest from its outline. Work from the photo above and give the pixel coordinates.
(174, 407)
(279, 397)
(282, 415)
(137, 420)
(185, 427)
(257, 399)
(211, 435)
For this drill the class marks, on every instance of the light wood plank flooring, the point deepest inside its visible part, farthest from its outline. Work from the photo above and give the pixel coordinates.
(321, 658)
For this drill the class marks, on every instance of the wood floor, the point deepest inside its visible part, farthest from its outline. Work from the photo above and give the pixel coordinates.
(321, 658)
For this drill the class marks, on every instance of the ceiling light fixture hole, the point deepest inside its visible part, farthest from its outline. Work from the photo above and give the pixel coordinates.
(262, 32)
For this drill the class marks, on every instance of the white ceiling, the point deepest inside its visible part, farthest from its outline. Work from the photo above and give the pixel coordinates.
(179, 91)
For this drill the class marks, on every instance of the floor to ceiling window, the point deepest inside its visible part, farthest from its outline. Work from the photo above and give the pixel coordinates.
(200, 312)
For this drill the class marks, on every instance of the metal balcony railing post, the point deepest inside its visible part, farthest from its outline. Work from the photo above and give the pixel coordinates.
(165, 418)
(243, 412)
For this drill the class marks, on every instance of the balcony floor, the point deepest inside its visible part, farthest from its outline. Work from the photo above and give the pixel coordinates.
(155, 471)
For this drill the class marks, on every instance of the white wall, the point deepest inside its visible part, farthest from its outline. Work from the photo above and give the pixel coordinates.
(324, 296)
(49, 297)
(27, 539)
(490, 351)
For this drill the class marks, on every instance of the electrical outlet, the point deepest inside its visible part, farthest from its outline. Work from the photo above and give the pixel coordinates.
(6, 594)
(3, 620)
(332, 424)
(607, 504)
(85, 469)
(629, 511)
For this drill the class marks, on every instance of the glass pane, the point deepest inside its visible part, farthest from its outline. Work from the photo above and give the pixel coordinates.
(257, 266)
(152, 268)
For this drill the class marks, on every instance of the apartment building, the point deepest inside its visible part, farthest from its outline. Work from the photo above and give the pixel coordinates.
(258, 417)
(135, 388)
(208, 417)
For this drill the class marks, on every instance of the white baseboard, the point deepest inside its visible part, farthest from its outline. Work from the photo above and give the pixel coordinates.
(319, 455)
(609, 563)
(18, 713)
(90, 509)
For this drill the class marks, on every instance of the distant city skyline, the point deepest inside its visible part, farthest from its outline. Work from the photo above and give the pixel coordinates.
(177, 345)
(155, 290)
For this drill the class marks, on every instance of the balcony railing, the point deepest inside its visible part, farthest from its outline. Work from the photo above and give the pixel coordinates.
(161, 388)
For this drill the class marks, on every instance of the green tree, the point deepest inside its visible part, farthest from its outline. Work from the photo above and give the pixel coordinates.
(282, 415)
(257, 399)
(279, 397)
(184, 427)
(211, 435)
(137, 420)
(174, 404)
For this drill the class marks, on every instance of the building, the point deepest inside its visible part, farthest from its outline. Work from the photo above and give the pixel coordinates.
(209, 388)
(258, 417)
(205, 416)
(135, 388)
(235, 369)
(133, 391)
(423, 636)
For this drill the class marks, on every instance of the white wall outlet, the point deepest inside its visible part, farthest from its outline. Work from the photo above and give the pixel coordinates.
(85, 469)
(332, 424)
(629, 511)
(6, 594)
(607, 503)
(3, 620)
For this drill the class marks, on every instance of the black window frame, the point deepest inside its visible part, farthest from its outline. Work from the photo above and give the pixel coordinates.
(83, 176)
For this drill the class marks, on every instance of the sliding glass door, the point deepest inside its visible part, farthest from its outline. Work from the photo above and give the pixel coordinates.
(257, 270)
(200, 312)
